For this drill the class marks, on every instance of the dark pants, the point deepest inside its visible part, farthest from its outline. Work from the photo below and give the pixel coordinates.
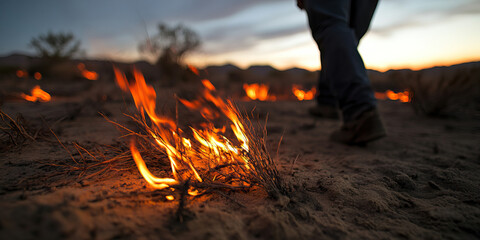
(337, 26)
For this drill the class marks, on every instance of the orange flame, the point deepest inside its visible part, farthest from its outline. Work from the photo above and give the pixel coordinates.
(90, 75)
(37, 95)
(303, 95)
(391, 95)
(21, 73)
(259, 92)
(190, 158)
(194, 70)
(37, 75)
(380, 95)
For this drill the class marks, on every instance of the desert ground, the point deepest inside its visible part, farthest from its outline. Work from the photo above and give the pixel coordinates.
(420, 182)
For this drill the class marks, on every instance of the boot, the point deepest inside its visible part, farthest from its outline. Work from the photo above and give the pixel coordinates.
(366, 128)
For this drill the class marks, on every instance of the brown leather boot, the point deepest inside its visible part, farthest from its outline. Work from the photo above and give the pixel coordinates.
(366, 128)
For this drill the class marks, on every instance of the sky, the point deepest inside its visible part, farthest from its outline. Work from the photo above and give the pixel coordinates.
(412, 34)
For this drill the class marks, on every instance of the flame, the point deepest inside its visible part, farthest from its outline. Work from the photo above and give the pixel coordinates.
(303, 95)
(90, 75)
(380, 95)
(391, 95)
(169, 197)
(190, 157)
(37, 75)
(37, 95)
(257, 91)
(193, 69)
(21, 73)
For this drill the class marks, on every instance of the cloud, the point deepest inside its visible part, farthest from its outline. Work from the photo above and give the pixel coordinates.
(425, 15)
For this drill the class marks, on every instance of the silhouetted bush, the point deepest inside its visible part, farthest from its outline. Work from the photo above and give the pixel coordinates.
(55, 51)
(168, 47)
(56, 46)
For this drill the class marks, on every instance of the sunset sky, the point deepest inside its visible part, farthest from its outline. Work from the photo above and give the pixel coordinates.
(404, 33)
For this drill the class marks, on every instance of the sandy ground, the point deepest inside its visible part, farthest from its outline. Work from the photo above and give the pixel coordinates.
(422, 181)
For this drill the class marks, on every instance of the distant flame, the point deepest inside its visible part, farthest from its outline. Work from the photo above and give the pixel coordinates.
(259, 92)
(391, 95)
(21, 73)
(38, 95)
(302, 94)
(190, 157)
(380, 95)
(193, 69)
(37, 75)
(90, 75)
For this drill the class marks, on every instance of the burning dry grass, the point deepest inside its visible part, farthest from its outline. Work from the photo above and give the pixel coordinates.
(37, 95)
(232, 156)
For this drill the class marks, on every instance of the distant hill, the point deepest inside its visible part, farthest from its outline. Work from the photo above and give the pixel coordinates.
(15, 59)
(261, 70)
(224, 69)
(392, 79)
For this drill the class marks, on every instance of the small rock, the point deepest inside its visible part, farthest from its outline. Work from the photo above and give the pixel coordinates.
(405, 181)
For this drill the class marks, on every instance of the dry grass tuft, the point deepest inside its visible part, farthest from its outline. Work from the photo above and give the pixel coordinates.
(446, 92)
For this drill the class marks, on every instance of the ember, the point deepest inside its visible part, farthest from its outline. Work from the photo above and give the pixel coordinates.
(21, 73)
(302, 94)
(37, 75)
(38, 95)
(202, 156)
(90, 75)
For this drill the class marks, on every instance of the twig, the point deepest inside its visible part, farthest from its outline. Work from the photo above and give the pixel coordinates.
(66, 149)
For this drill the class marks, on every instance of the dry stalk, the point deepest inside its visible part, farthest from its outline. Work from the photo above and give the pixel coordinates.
(15, 130)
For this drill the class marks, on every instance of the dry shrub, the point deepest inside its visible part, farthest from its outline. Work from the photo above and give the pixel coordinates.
(446, 92)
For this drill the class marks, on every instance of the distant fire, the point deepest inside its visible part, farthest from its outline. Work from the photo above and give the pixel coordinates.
(258, 91)
(37, 75)
(22, 73)
(391, 95)
(90, 75)
(38, 95)
(302, 94)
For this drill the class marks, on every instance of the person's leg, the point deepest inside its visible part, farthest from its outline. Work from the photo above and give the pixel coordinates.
(361, 13)
(326, 103)
(341, 62)
(325, 95)
(342, 65)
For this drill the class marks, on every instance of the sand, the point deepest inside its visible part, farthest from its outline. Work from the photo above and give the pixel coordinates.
(422, 181)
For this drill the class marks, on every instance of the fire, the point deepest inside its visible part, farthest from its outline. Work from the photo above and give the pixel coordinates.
(201, 154)
(380, 95)
(90, 75)
(37, 95)
(303, 95)
(259, 92)
(21, 73)
(193, 69)
(389, 94)
(37, 75)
